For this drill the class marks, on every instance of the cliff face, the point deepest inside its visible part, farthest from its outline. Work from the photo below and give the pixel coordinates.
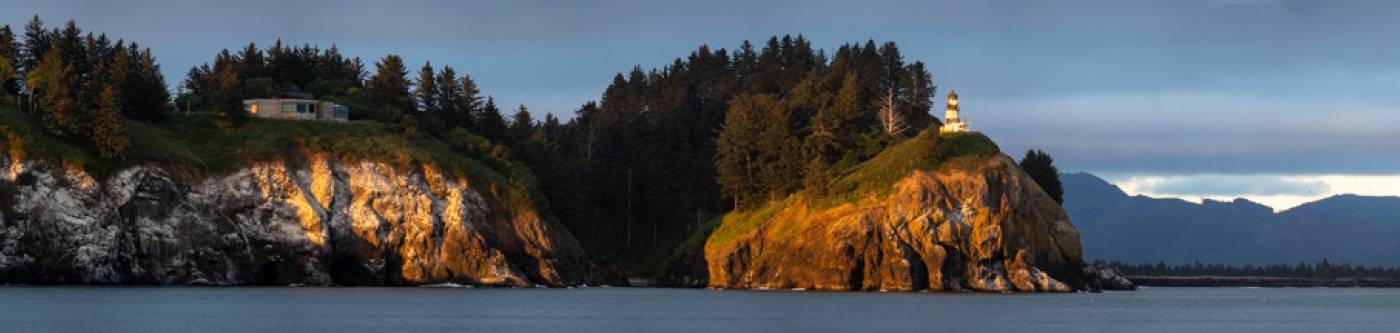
(988, 229)
(315, 221)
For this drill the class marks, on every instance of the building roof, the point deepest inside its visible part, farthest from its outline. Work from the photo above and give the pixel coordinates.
(297, 95)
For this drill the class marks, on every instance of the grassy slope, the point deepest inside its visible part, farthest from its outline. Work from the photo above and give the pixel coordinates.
(194, 145)
(874, 178)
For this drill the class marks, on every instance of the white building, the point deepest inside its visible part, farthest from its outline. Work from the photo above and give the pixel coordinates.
(296, 106)
(952, 123)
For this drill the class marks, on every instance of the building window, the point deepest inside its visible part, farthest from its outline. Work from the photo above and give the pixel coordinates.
(288, 107)
(312, 108)
(301, 108)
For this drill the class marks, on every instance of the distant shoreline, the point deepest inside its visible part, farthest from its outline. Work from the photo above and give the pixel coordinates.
(1261, 281)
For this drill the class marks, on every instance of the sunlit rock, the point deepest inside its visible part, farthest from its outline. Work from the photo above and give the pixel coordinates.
(989, 229)
(314, 221)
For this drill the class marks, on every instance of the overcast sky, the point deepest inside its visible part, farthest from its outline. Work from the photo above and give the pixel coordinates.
(1249, 91)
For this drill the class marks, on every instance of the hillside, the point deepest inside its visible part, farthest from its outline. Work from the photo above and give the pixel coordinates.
(1137, 229)
(936, 212)
(276, 202)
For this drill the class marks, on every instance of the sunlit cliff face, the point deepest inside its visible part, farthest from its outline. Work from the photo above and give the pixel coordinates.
(316, 221)
(991, 229)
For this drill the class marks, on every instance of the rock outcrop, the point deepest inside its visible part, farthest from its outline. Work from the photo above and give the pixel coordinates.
(1103, 277)
(312, 220)
(989, 228)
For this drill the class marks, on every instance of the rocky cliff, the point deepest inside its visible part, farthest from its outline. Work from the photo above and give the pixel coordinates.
(984, 228)
(312, 220)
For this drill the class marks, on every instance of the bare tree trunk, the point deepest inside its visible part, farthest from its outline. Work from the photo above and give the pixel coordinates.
(891, 122)
(588, 146)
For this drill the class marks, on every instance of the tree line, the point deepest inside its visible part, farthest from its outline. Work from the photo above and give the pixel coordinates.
(797, 128)
(669, 148)
(434, 103)
(79, 85)
(1320, 269)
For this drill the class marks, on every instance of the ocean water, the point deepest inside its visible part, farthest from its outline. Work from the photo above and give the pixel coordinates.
(185, 309)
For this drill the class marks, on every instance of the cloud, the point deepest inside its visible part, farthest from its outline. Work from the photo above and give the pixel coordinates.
(1189, 132)
(1224, 185)
(1274, 190)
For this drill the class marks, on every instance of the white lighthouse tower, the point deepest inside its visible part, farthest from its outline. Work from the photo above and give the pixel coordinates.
(952, 123)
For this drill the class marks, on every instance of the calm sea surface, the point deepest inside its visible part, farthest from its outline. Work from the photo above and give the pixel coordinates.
(178, 309)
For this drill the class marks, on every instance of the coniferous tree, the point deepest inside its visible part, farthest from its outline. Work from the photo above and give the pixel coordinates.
(1041, 167)
(456, 98)
(8, 44)
(779, 149)
(832, 133)
(69, 41)
(196, 88)
(805, 98)
(843, 115)
(36, 42)
(107, 129)
(521, 125)
(746, 65)
(917, 99)
(251, 62)
(144, 95)
(54, 80)
(428, 117)
(550, 126)
(738, 149)
(9, 64)
(9, 78)
(426, 89)
(471, 99)
(281, 65)
(492, 123)
(227, 101)
(388, 92)
(113, 68)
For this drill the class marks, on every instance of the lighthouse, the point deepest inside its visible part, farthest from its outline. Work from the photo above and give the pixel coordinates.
(952, 123)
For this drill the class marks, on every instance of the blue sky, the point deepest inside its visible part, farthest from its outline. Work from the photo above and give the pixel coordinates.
(1252, 91)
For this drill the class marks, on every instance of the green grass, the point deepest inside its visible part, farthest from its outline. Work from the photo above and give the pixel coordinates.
(22, 136)
(739, 223)
(927, 151)
(197, 143)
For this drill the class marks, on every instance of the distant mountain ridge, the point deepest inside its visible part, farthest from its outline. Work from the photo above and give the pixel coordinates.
(1137, 229)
